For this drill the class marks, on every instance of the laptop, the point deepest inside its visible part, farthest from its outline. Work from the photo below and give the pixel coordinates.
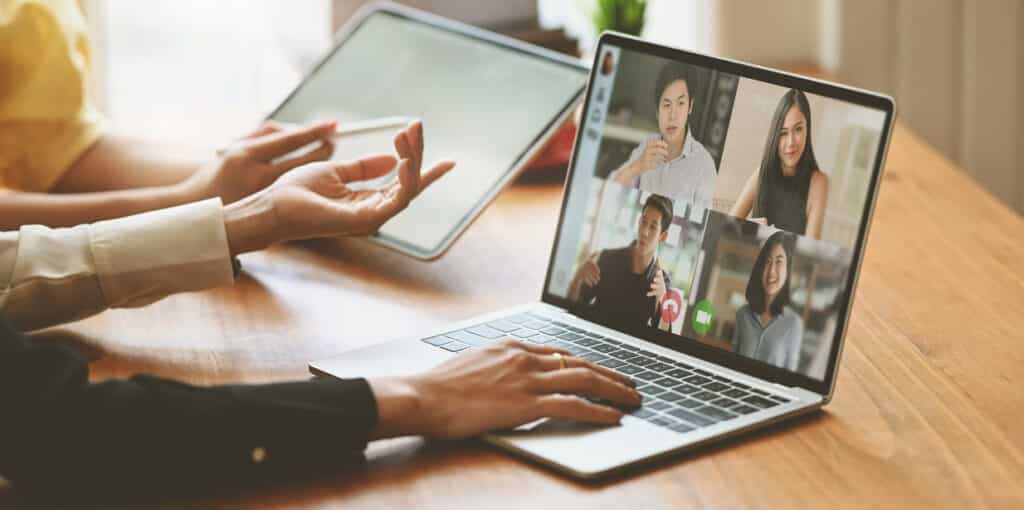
(712, 227)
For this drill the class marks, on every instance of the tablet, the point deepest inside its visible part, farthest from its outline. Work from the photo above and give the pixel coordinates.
(486, 101)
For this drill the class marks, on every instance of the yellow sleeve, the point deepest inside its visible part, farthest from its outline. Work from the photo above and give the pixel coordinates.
(47, 117)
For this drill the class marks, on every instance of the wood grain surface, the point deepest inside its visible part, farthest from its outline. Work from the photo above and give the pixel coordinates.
(928, 410)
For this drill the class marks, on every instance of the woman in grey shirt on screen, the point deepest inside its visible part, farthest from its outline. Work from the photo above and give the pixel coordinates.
(766, 328)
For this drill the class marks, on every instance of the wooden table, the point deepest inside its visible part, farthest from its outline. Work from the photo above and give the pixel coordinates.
(928, 411)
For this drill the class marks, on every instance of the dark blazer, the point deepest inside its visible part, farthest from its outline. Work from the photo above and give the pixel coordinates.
(60, 434)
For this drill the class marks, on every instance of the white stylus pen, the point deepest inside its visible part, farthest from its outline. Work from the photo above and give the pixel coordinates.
(363, 126)
(357, 127)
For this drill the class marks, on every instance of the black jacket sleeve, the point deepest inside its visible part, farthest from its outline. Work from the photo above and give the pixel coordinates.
(59, 434)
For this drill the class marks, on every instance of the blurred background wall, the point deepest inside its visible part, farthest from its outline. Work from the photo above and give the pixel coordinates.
(196, 71)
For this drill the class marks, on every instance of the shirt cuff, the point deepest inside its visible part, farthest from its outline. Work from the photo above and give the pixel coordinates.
(143, 258)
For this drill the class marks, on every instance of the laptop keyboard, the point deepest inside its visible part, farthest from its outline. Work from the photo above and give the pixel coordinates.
(676, 395)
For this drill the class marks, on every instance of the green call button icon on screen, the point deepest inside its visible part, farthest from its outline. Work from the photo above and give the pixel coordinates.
(703, 316)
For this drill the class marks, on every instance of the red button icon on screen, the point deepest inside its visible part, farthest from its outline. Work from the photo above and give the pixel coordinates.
(671, 306)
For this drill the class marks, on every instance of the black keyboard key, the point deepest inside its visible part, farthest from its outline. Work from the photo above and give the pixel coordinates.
(569, 336)
(611, 363)
(621, 354)
(697, 380)
(629, 369)
(680, 427)
(576, 350)
(593, 357)
(648, 375)
(578, 331)
(721, 379)
(665, 359)
(692, 417)
(735, 393)
(587, 342)
(630, 348)
(605, 348)
(647, 353)
(690, 403)
(702, 372)
(610, 340)
(643, 413)
(437, 340)
(670, 396)
(686, 389)
(678, 373)
(759, 392)
(651, 390)
(660, 367)
(706, 396)
(668, 382)
(716, 387)
(781, 400)
(541, 339)
(503, 326)
(455, 346)
(680, 364)
(741, 386)
(642, 360)
(761, 402)
(744, 409)
(485, 331)
(724, 403)
(715, 413)
(553, 331)
(661, 421)
(658, 405)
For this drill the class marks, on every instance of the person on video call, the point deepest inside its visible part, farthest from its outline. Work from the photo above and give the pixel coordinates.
(672, 163)
(140, 228)
(625, 286)
(766, 328)
(788, 190)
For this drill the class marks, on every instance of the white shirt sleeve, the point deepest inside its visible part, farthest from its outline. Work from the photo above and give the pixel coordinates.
(633, 156)
(50, 276)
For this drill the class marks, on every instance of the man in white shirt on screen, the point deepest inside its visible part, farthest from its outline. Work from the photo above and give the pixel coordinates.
(673, 163)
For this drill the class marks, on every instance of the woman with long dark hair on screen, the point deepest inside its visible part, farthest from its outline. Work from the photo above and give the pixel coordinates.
(766, 328)
(789, 189)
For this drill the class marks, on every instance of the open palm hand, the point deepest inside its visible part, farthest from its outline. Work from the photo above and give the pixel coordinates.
(319, 199)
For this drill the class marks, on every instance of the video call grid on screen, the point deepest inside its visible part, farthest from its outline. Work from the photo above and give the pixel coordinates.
(761, 270)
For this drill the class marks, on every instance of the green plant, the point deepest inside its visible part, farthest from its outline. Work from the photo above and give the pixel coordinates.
(620, 15)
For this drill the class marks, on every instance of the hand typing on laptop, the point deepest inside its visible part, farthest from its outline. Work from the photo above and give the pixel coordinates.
(497, 387)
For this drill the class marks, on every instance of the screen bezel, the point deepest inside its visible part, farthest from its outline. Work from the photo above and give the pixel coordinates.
(520, 162)
(694, 347)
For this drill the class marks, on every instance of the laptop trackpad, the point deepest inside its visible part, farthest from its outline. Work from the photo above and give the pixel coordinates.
(585, 449)
(399, 357)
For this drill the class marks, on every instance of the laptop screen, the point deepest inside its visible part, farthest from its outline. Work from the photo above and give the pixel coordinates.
(717, 208)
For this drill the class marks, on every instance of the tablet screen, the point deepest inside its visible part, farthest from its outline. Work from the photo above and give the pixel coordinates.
(482, 103)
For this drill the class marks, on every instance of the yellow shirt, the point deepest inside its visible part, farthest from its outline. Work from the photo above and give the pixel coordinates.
(47, 119)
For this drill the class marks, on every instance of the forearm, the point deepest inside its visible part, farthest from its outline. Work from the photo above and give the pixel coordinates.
(23, 208)
(65, 435)
(118, 162)
(625, 173)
